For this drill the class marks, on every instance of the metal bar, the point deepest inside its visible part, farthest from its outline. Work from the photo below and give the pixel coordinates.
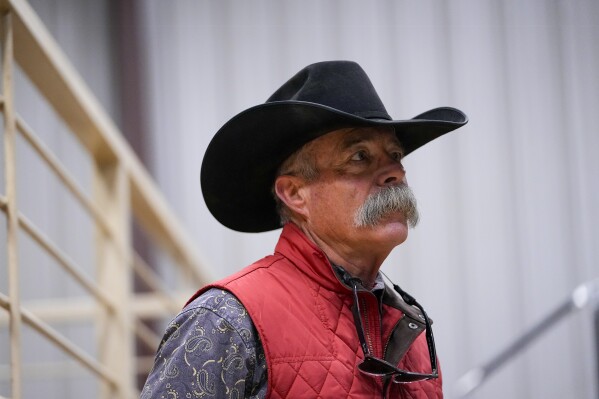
(52, 369)
(48, 68)
(63, 175)
(149, 276)
(146, 335)
(65, 262)
(113, 272)
(60, 310)
(64, 310)
(61, 342)
(596, 320)
(529, 336)
(11, 204)
(60, 171)
(581, 297)
(152, 306)
(78, 309)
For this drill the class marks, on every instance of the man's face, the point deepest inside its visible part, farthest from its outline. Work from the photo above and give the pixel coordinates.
(354, 164)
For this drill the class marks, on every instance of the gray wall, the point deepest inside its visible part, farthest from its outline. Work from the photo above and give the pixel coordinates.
(509, 216)
(509, 203)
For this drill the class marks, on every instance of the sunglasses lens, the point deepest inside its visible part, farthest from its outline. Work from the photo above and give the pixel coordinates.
(375, 366)
(379, 367)
(407, 378)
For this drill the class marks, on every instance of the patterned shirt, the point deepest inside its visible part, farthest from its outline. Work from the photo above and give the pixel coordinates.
(212, 350)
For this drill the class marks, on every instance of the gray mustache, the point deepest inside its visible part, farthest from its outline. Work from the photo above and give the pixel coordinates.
(388, 200)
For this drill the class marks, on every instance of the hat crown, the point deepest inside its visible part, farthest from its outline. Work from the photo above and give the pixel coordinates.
(342, 85)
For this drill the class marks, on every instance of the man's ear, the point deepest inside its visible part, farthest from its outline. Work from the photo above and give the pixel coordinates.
(291, 190)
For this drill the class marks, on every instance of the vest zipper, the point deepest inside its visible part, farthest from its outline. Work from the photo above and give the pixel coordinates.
(367, 327)
(370, 330)
(387, 382)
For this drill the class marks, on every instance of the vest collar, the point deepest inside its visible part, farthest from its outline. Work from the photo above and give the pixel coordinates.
(312, 261)
(308, 258)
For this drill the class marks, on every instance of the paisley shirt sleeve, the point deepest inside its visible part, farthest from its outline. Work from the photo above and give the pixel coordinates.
(210, 350)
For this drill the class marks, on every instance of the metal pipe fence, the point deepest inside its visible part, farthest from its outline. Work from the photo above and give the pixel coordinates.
(122, 192)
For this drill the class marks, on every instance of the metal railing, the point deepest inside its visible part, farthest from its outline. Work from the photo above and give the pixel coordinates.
(122, 190)
(584, 296)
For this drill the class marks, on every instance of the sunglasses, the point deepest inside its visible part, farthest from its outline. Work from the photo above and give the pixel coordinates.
(377, 367)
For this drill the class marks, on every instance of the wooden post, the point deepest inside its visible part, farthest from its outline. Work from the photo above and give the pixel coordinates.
(12, 221)
(115, 342)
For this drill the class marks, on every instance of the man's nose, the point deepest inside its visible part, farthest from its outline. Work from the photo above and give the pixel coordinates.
(391, 173)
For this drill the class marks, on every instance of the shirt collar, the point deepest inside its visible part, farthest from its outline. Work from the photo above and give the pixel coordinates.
(379, 284)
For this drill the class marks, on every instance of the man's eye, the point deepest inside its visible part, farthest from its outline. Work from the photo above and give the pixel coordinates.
(359, 156)
(396, 155)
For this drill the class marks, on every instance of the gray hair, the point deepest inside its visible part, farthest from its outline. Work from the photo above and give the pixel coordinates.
(302, 163)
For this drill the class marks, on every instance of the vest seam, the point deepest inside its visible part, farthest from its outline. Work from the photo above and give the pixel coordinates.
(278, 257)
(325, 321)
(295, 359)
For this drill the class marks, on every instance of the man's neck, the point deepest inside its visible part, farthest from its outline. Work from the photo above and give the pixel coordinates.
(364, 266)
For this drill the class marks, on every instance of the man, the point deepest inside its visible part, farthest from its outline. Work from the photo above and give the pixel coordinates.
(315, 319)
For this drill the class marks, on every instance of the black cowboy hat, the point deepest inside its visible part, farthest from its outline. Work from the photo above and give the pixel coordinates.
(241, 161)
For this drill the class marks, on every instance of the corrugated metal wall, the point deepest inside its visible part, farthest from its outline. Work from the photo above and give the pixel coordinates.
(510, 222)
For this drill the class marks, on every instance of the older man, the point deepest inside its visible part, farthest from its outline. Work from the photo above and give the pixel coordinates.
(324, 159)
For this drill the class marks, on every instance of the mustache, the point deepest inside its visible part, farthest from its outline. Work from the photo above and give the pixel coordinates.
(390, 199)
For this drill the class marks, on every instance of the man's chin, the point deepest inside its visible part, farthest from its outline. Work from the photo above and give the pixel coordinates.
(390, 228)
(396, 218)
(392, 234)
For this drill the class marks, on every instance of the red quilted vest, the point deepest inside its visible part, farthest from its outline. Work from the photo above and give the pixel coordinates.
(303, 315)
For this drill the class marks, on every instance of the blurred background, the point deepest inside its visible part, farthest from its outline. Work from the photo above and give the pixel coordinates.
(509, 203)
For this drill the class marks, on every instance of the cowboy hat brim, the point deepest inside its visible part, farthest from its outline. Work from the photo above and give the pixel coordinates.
(241, 161)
